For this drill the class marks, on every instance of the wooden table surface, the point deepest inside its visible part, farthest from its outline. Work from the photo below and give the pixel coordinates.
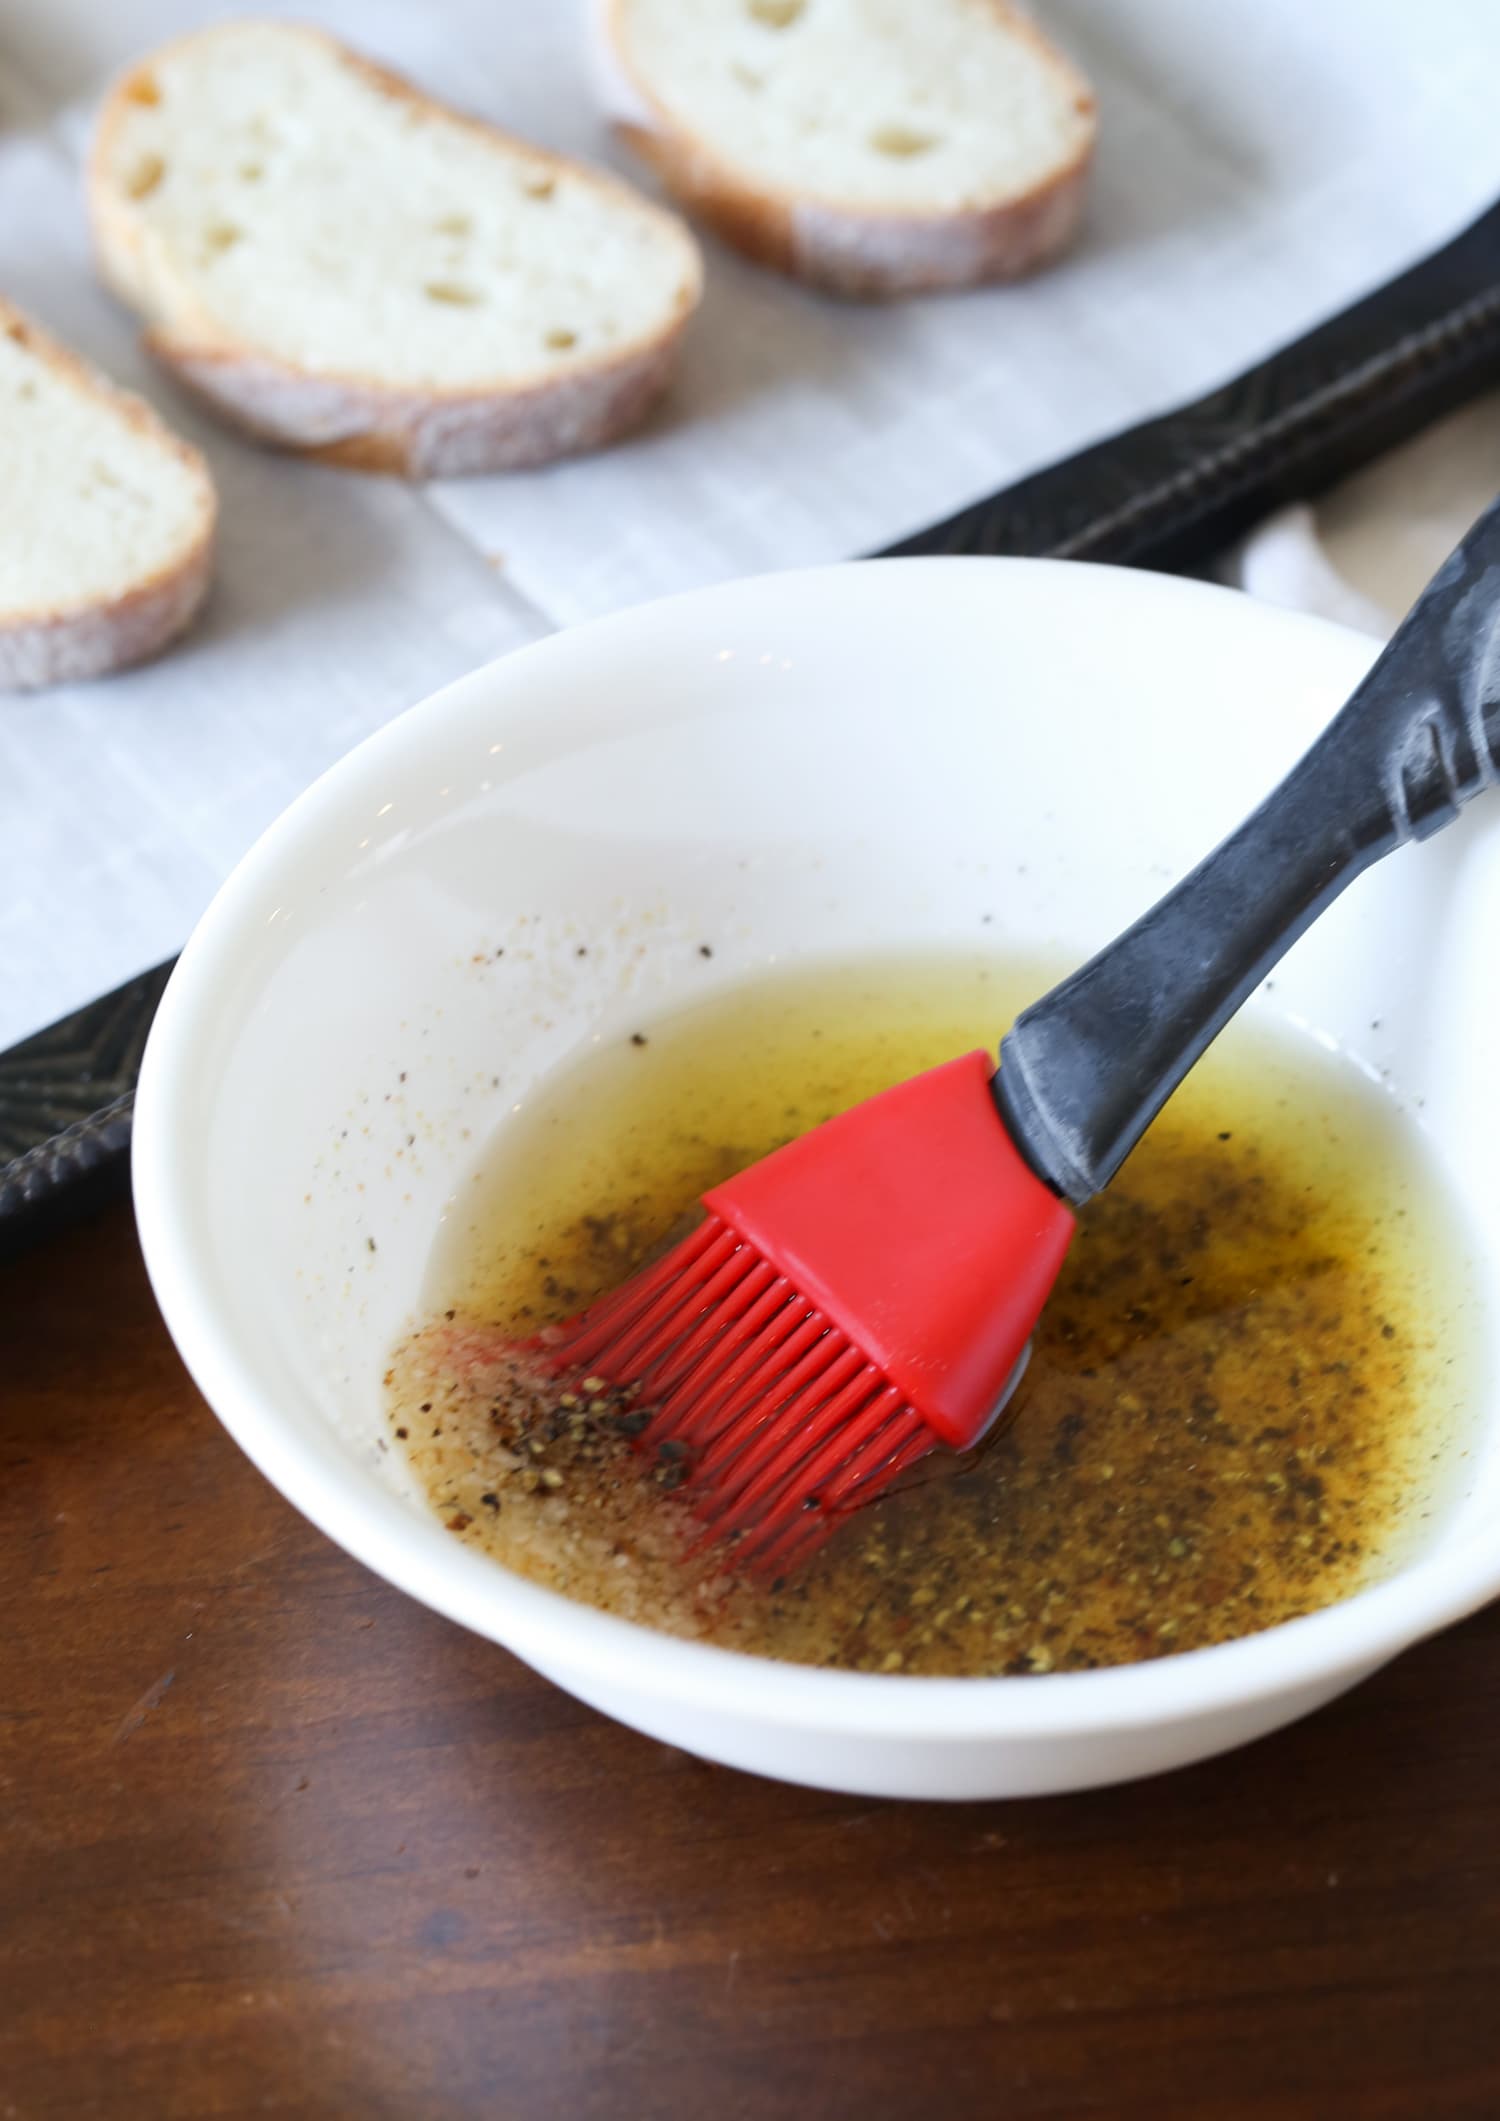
(275, 1839)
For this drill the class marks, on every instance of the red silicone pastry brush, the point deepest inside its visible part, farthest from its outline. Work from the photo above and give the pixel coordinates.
(866, 1294)
(859, 1297)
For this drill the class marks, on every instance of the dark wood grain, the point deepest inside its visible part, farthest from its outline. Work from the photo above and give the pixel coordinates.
(274, 1839)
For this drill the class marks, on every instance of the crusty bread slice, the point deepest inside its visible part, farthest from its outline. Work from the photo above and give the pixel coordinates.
(106, 519)
(872, 147)
(343, 266)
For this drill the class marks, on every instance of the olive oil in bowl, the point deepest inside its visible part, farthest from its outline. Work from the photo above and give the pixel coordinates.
(1245, 1397)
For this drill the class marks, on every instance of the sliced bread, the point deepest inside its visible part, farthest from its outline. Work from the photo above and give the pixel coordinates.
(872, 147)
(107, 524)
(343, 266)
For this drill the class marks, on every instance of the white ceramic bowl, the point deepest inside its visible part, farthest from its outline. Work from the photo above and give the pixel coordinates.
(802, 765)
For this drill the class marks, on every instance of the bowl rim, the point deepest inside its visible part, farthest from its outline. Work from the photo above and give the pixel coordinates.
(1318, 1651)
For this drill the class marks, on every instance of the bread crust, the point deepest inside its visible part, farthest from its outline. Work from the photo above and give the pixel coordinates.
(67, 642)
(419, 434)
(851, 250)
(358, 421)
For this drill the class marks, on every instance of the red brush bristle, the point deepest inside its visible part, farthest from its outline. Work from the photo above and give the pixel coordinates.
(858, 1297)
(787, 1426)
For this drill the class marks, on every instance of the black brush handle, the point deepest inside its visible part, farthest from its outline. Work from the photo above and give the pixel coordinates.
(1085, 1071)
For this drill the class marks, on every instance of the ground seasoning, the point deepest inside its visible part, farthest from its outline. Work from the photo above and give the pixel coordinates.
(1242, 1401)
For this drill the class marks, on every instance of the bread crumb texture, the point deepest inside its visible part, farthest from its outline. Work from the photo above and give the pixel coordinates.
(106, 530)
(950, 107)
(260, 190)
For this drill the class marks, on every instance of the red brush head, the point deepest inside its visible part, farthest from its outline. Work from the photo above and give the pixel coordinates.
(853, 1300)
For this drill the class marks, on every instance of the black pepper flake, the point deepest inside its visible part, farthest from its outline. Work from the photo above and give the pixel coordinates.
(370, 1243)
(490, 1499)
(704, 950)
(637, 1038)
(403, 1434)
